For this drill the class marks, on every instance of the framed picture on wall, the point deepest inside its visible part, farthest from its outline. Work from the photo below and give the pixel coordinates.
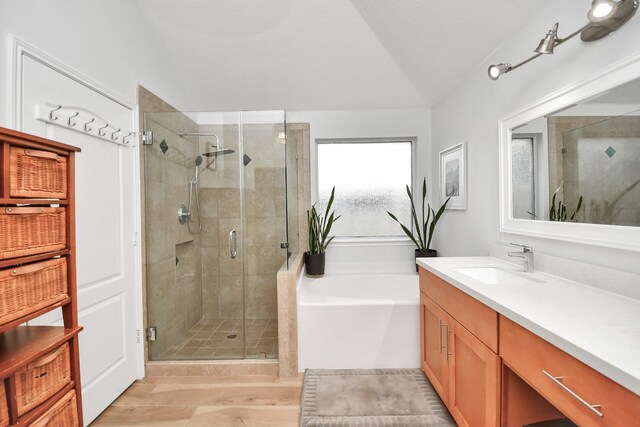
(453, 176)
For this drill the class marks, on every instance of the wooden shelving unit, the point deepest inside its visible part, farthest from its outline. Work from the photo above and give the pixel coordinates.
(24, 346)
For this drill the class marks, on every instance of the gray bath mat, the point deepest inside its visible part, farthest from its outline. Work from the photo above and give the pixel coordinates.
(370, 397)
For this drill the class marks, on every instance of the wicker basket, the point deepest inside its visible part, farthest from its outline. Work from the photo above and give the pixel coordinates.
(42, 378)
(64, 413)
(4, 411)
(36, 173)
(31, 287)
(31, 230)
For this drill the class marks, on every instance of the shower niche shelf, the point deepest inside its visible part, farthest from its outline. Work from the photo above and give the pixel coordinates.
(39, 365)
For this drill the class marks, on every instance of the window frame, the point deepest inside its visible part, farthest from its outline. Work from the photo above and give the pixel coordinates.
(534, 172)
(399, 239)
(540, 171)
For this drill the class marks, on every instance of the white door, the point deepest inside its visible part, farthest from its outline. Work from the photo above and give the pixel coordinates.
(106, 227)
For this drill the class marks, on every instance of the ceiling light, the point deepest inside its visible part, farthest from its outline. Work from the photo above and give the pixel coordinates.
(605, 17)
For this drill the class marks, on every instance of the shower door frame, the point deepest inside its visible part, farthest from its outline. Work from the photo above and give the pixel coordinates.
(243, 238)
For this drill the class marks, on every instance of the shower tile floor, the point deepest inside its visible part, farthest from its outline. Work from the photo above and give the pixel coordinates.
(222, 338)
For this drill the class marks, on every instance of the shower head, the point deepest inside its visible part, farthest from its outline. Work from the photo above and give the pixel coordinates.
(198, 162)
(217, 153)
(214, 155)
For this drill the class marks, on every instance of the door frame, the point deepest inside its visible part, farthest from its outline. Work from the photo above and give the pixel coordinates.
(20, 49)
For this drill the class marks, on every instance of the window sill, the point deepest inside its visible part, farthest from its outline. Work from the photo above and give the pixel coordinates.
(371, 241)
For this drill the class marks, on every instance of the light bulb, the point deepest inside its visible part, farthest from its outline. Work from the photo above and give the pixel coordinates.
(494, 71)
(601, 10)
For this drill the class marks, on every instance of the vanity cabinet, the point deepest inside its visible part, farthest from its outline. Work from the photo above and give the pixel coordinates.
(39, 365)
(490, 371)
(586, 396)
(459, 339)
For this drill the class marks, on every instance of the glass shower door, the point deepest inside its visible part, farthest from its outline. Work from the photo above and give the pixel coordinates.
(192, 220)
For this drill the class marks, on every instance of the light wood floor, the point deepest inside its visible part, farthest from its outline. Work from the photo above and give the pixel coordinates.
(246, 401)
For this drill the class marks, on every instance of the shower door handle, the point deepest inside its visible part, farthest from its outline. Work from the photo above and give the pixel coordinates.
(232, 243)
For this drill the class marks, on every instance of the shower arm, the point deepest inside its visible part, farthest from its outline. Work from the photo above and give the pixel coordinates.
(184, 134)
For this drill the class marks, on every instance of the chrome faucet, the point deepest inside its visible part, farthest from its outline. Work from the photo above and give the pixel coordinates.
(526, 255)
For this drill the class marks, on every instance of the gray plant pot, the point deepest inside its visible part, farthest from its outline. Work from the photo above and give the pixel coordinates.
(431, 253)
(314, 264)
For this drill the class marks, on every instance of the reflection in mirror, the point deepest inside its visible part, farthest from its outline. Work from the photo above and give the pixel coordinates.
(581, 164)
(523, 178)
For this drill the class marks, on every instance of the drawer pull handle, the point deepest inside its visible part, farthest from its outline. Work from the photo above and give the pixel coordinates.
(42, 154)
(43, 360)
(24, 211)
(447, 342)
(593, 408)
(28, 269)
(440, 325)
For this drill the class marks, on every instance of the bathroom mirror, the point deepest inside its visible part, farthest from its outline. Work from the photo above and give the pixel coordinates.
(570, 164)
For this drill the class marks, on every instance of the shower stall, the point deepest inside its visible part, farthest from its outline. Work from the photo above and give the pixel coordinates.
(216, 232)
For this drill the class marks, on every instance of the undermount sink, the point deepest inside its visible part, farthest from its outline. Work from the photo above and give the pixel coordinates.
(496, 276)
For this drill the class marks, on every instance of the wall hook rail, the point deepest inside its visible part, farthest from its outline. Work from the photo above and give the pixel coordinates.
(71, 116)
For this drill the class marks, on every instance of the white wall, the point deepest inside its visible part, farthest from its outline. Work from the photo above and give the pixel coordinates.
(472, 112)
(369, 124)
(108, 41)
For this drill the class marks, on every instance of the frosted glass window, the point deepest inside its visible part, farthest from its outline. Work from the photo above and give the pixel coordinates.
(370, 179)
(523, 179)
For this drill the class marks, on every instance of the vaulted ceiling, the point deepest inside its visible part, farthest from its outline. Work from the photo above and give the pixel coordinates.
(328, 54)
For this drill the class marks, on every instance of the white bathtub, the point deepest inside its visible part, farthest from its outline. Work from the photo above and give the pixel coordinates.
(351, 321)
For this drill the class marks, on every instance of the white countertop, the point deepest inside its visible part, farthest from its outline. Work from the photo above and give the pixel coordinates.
(597, 327)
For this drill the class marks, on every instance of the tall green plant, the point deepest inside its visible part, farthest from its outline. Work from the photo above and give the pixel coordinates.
(320, 226)
(423, 230)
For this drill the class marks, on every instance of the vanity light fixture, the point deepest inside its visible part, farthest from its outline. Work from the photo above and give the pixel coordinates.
(605, 16)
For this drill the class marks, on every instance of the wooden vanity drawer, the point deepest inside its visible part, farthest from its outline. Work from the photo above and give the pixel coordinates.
(536, 361)
(476, 317)
(37, 173)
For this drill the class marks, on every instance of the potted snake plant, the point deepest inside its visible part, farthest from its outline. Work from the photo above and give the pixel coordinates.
(319, 227)
(421, 231)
